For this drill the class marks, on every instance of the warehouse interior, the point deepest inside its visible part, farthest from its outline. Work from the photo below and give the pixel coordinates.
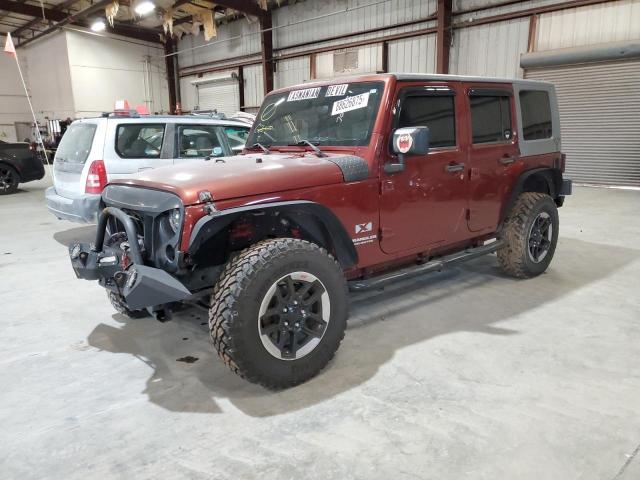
(463, 373)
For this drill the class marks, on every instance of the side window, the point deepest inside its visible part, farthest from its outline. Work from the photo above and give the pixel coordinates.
(435, 112)
(196, 141)
(237, 137)
(135, 140)
(490, 119)
(536, 114)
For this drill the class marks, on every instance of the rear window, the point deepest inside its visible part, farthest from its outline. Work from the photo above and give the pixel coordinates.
(199, 141)
(76, 143)
(490, 119)
(536, 114)
(136, 140)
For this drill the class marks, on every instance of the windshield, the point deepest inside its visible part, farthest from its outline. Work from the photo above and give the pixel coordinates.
(76, 143)
(341, 115)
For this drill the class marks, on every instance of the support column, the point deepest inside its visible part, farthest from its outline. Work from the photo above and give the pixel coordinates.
(266, 41)
(443, 35)
(171, 73)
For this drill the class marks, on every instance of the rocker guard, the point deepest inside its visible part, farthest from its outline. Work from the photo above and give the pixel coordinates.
(140, 285)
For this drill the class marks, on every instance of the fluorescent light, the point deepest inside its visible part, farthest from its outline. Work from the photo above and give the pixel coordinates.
(98, 26)
(145, 7)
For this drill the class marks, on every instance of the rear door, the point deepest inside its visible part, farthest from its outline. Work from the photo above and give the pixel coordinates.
(492, 154)
(135, 146)
(82, 143)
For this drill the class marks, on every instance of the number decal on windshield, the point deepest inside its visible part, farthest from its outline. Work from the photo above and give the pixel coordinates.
(350, 103)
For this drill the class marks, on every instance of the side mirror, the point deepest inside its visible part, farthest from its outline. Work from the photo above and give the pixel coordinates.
(408, 141)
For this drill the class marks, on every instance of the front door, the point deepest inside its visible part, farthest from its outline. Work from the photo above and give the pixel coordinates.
(492, 153)
(424, 205)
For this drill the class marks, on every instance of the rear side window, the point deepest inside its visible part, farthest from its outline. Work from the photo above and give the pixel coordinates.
(199, 141)
(139, 140)
(435, 112)
(490, 119)
(536, 114)
(237, 137)
(76, 143)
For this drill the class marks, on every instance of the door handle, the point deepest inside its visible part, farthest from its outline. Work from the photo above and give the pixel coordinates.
(507, 160)
(456, 167)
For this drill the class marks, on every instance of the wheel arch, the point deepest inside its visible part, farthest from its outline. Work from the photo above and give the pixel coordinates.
(541, 180)
(314, 221)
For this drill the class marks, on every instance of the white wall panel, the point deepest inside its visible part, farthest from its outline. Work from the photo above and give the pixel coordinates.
(492, 49)
(49, 77)
(576, 27)
(413, 55)
(13, 101)
(188, 93)
(291, 72)
(106, 69)
(465, 5)
(253, 86)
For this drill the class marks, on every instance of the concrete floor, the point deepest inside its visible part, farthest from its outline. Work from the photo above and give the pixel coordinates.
(463, 374)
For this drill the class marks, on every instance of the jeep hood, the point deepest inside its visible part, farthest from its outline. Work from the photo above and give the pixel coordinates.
(252, 174)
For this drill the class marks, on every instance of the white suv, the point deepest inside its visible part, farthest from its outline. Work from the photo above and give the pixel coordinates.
(96, 150)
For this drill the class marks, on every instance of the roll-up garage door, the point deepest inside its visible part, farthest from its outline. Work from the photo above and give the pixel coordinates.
(600, 119)
(223, 96)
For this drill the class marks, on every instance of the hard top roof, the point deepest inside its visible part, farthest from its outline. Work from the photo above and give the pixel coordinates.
(199, 119)
(416, 77)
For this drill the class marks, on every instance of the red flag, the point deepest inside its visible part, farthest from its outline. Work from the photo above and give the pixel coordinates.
(9, 47)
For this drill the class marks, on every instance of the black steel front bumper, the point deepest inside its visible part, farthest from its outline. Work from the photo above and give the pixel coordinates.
(121, 268)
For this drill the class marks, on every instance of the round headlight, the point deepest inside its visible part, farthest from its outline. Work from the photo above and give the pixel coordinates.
(174, 219)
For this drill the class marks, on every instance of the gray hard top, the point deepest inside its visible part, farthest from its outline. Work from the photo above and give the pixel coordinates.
(428, 77)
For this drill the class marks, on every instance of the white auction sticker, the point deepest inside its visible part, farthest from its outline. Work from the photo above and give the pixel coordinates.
(305, 94)
(336, 90)
(350, 103)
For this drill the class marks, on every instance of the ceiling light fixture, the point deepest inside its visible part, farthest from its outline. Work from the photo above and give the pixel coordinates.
(98, 26)
(145, 7)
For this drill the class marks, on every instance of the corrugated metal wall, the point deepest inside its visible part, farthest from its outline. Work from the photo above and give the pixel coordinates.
(411, 55)
(595, 24)
(253, 87)
(292, 72)
(492, 49)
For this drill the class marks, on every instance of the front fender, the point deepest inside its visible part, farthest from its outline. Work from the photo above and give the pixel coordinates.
(318, 222)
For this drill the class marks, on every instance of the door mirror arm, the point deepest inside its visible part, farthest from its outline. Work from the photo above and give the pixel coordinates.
(395, 167)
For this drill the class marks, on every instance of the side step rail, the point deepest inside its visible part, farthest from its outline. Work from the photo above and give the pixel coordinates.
(434, 265)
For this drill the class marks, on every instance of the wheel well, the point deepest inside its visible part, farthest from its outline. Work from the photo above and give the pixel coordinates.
(542, 180)
(236, 231)
(537, 183)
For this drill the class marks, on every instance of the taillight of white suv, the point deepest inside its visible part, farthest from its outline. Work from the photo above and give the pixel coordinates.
(96, 178)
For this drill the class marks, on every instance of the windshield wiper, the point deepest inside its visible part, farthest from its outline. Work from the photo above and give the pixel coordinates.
(315, 149)
(261, 147)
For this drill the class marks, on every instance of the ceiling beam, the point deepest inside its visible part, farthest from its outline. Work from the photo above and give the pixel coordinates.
(244, 6)
(31, 10)
(78, 18)
(29, 25)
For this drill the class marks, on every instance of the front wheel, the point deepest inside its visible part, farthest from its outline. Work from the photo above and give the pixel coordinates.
(9, 180)
(530, 234)
(279, 312)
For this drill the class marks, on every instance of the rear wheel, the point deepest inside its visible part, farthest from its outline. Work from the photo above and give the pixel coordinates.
(279, 312)
(530, 234)
(9, 180)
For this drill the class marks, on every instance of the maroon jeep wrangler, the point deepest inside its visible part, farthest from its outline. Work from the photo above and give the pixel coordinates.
(344, 185)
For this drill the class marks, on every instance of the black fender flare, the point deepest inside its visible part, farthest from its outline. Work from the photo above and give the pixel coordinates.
(318, 222)
(551, 176)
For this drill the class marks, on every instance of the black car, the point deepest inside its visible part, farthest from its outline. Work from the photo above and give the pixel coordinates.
(18, 164)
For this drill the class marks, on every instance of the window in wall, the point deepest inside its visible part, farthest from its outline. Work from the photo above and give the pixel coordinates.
(435, 112)
(196, 141)
(136, 140)
(536, 114)
(490, 119)
(345, 60)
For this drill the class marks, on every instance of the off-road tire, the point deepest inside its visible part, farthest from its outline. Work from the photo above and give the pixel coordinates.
(117, 302)
(14, 179)
(514, 257)
(235, 306)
